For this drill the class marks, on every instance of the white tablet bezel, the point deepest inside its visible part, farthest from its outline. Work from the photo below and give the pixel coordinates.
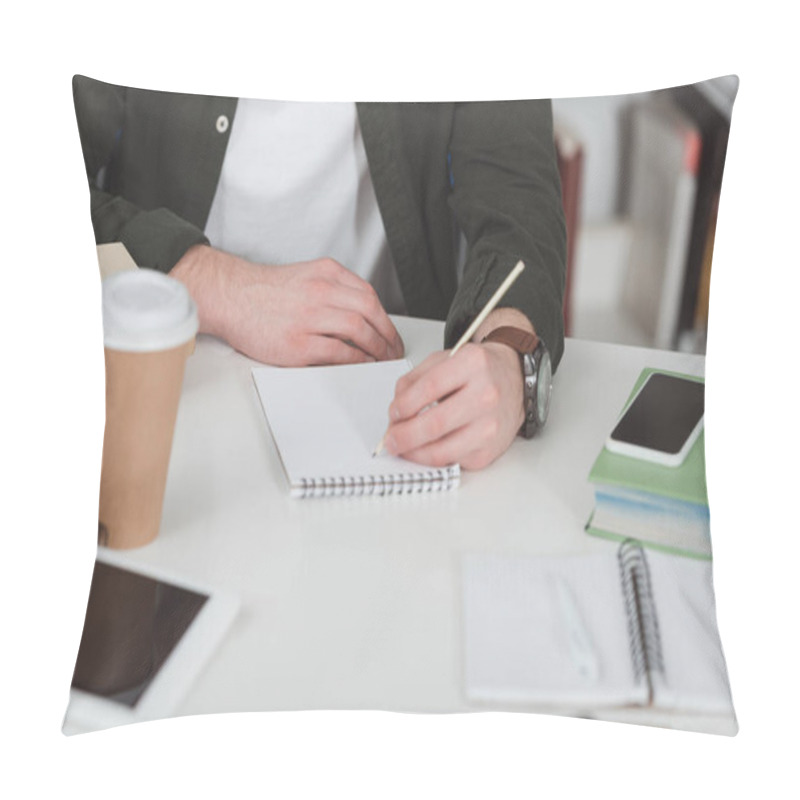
(170, 685)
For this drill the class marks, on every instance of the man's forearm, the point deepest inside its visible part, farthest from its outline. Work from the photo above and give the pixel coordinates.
(499, 318)
(313, 312)
(208, 273)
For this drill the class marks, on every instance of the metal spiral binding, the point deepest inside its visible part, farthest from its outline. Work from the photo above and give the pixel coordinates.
(643, 631)
(380, 485)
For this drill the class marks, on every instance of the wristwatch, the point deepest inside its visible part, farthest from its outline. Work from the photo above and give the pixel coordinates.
(537, 374)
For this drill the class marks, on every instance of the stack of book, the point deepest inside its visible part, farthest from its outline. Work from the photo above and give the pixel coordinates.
(662, 507)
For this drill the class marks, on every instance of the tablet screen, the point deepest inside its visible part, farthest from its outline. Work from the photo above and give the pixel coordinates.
(133, 622)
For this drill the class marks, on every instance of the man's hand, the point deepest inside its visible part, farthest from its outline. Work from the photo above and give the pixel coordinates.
(464, 409)
(315, 312)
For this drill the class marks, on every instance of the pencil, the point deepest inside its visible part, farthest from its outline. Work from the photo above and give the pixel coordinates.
(476, 323)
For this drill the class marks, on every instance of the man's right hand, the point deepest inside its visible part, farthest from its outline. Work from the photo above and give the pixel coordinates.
(313, 312)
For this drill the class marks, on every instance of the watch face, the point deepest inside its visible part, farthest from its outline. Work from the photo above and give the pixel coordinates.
(544, 383)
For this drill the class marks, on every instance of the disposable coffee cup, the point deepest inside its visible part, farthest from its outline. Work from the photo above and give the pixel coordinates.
(149, 327)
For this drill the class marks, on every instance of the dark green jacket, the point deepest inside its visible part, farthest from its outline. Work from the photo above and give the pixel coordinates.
(487, 168)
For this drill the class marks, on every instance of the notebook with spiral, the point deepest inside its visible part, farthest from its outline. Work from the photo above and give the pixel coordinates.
(602, 630)
(326, 422)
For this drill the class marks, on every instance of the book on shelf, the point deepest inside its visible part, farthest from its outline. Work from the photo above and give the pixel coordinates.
(692, 337)
(704, 287)
(708, 105)
(666, 150)
(664, 507)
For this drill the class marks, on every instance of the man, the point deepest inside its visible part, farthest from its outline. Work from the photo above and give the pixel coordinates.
(221, 193)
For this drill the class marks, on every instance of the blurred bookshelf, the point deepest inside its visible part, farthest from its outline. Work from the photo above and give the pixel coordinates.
(643, 212)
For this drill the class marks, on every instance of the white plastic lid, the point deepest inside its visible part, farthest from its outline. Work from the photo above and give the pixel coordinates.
(146, 310)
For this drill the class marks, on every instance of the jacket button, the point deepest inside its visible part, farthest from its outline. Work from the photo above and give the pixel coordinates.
(222, 123)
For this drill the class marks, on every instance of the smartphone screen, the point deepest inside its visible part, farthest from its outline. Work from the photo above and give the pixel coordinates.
(663, 415)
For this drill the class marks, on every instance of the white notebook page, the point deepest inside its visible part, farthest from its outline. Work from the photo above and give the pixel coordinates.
(327, 421)
(695, 675)
(517, 631)
(517, 643)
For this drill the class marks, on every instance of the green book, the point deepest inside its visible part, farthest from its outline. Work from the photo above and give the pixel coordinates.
(665, 508)
(686, 483)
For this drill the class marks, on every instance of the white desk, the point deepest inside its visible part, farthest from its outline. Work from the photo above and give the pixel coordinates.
(354, 603)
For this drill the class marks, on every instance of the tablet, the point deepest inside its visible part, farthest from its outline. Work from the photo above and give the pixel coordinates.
(146, 637)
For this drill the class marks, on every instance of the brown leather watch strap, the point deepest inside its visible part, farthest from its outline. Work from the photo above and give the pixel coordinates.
(520, 340)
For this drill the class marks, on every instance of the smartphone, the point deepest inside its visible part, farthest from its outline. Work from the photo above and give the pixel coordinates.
(662, 422)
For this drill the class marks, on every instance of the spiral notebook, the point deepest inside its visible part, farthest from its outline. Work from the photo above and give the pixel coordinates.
(326, 422)
(624, 628)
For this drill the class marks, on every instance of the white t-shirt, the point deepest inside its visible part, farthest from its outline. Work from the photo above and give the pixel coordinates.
(295, 186)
